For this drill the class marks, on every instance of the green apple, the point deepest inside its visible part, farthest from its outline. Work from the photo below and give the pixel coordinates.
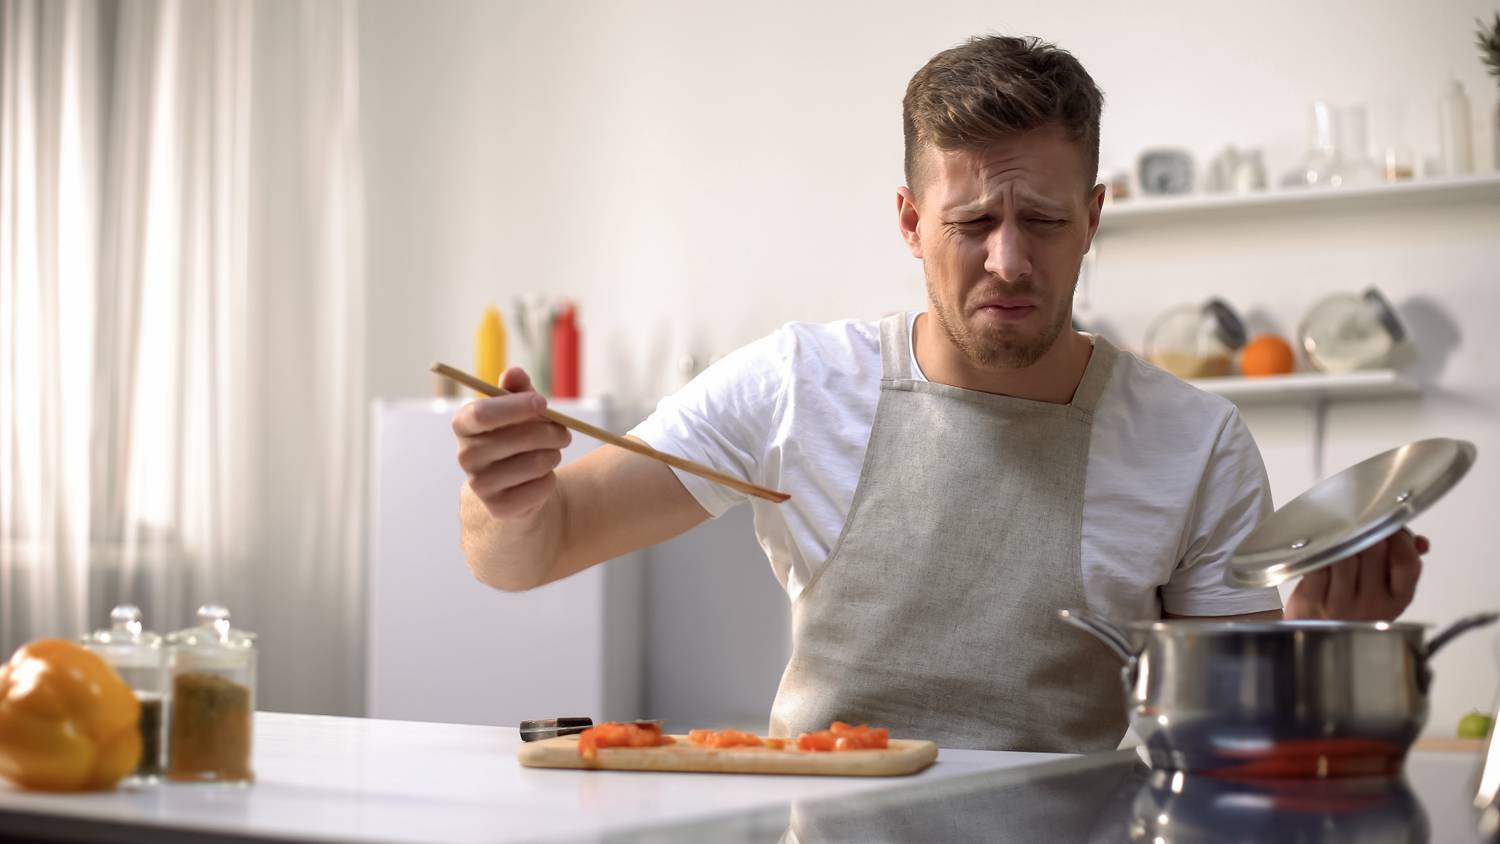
(1475, 725)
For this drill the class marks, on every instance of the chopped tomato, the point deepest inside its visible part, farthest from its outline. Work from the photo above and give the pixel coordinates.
(821, 740)
(841, 736)
(619, 735)
(724, 739)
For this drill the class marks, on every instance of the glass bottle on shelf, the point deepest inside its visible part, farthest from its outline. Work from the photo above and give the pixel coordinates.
(1389, 139)
(1352, 165)
(136, 655)
(1400, 163)
(1318, 167)
(1454, 132)
(212, 667)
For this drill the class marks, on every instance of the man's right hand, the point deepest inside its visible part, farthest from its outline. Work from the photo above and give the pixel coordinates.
(524, 524)
(508, 449)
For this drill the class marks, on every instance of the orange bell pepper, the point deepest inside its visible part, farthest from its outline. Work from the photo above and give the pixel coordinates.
(67, 720)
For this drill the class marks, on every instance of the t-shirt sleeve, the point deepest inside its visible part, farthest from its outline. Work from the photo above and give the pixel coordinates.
(723, 418)
(1233, 497)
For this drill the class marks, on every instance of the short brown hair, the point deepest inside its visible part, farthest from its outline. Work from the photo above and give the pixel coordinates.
(977, 93)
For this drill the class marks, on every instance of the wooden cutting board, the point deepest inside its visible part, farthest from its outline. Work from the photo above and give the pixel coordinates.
(904, 756)
(1444, 744)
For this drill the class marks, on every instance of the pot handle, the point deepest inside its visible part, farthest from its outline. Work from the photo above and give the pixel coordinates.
(1456, 629)
(1113, 637)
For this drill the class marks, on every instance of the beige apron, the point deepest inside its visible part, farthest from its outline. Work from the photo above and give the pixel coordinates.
(936, 613)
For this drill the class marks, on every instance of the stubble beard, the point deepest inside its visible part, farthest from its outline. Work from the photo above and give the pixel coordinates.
(1002, 350)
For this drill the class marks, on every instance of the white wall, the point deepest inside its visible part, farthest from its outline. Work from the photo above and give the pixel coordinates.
(696, 174)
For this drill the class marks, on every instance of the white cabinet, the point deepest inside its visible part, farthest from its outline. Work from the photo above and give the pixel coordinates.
(720, 630)
(443, 647)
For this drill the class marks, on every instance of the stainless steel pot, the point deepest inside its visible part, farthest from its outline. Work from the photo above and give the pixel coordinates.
(1276, 698)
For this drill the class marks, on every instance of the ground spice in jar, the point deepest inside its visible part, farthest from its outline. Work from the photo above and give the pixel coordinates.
(150, 729)
(209, 736)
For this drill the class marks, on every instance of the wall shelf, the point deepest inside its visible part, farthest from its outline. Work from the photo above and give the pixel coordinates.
(1310, 387)
(1144, 212)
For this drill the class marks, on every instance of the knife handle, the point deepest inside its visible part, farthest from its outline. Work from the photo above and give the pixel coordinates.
(545, 728)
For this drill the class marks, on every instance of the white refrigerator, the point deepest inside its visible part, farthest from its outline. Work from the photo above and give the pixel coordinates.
(441, 645)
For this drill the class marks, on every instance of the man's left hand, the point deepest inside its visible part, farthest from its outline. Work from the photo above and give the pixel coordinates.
(1374, 585)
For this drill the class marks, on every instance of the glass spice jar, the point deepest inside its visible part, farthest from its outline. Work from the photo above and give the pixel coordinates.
(136, 655)
(1196, 341)
(1351, 331)
(212, 670)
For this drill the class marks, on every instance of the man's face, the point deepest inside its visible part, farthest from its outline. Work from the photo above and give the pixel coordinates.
(1001, 232)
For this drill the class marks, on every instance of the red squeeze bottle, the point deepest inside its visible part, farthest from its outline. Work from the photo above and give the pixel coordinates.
(565, 354)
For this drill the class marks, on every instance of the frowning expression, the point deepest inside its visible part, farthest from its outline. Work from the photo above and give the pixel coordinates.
(1001, 232)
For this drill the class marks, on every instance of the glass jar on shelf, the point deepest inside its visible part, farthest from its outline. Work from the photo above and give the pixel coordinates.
(212, 670)
(1317, 167)
(1196, 341)
(1400, 163)
(1353, 166)
(136, 655)
(1346, 332)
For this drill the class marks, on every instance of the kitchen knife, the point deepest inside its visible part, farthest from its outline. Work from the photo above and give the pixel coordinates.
(545, 728)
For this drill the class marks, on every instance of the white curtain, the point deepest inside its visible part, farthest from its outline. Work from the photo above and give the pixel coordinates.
(181, 321)
(50, 147)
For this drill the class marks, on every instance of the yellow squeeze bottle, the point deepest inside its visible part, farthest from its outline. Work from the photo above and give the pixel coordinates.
(489, 347)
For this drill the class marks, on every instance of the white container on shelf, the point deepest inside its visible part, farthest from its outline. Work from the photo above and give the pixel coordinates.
(442, 646)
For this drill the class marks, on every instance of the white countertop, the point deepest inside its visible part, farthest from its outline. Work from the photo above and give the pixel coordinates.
(322, 778)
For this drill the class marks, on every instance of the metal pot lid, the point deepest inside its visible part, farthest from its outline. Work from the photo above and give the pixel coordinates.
(1349, 512)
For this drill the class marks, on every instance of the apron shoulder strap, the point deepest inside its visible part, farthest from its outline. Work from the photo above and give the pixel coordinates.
(1095, 375)
(895, 347)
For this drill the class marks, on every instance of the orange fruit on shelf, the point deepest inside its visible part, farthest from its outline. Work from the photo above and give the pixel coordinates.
(1267, 354)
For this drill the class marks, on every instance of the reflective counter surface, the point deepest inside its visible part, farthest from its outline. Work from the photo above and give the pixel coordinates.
(1116, 797)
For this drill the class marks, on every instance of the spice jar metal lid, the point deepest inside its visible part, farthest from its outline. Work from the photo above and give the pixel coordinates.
(1228, 328)
(1384, 313)
(213, 639)
(125, 644)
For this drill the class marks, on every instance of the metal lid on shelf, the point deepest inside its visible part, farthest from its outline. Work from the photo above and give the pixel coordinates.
(1385, 313)
(1229, 329)
(1349, 512)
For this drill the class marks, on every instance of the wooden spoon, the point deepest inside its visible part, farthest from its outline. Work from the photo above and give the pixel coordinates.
(640, 448)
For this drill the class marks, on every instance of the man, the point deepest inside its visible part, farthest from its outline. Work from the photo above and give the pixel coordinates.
(957, 476)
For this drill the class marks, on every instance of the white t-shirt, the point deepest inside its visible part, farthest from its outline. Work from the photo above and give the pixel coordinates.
(1174, 479)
